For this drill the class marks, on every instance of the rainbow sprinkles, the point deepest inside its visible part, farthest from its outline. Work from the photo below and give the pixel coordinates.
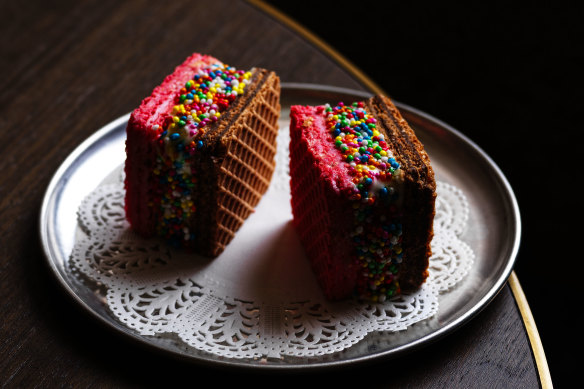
(197, 106)
(376, 176)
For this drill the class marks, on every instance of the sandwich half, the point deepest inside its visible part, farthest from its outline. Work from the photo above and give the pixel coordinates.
(200, 153)
(363, 198)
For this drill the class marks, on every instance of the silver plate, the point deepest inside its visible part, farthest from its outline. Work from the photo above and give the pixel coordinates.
(493, 231)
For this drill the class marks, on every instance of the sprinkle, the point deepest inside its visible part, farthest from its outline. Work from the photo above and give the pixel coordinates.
(356, 123)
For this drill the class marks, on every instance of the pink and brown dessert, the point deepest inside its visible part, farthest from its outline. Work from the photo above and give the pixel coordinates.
(363, 198)
(200, 153)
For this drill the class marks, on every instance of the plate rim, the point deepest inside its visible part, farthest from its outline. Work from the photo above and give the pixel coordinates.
(413, 345)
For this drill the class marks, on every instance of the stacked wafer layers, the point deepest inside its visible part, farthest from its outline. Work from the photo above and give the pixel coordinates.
(363, 197)
(200, 153)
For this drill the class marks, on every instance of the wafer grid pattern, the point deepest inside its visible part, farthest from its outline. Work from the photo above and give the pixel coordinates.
(247, 168)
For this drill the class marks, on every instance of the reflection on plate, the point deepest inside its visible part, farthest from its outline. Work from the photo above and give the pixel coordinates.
(493, 228)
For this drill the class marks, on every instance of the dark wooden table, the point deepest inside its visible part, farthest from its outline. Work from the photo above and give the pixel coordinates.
(69, 68)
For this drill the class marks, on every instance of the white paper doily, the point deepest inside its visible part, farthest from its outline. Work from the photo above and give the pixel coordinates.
(259, 299)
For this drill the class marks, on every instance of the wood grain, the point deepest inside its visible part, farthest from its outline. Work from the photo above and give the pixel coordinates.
(69, 68)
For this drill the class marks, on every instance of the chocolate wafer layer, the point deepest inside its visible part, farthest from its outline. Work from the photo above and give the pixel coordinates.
(241, 163)
(419, 191)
